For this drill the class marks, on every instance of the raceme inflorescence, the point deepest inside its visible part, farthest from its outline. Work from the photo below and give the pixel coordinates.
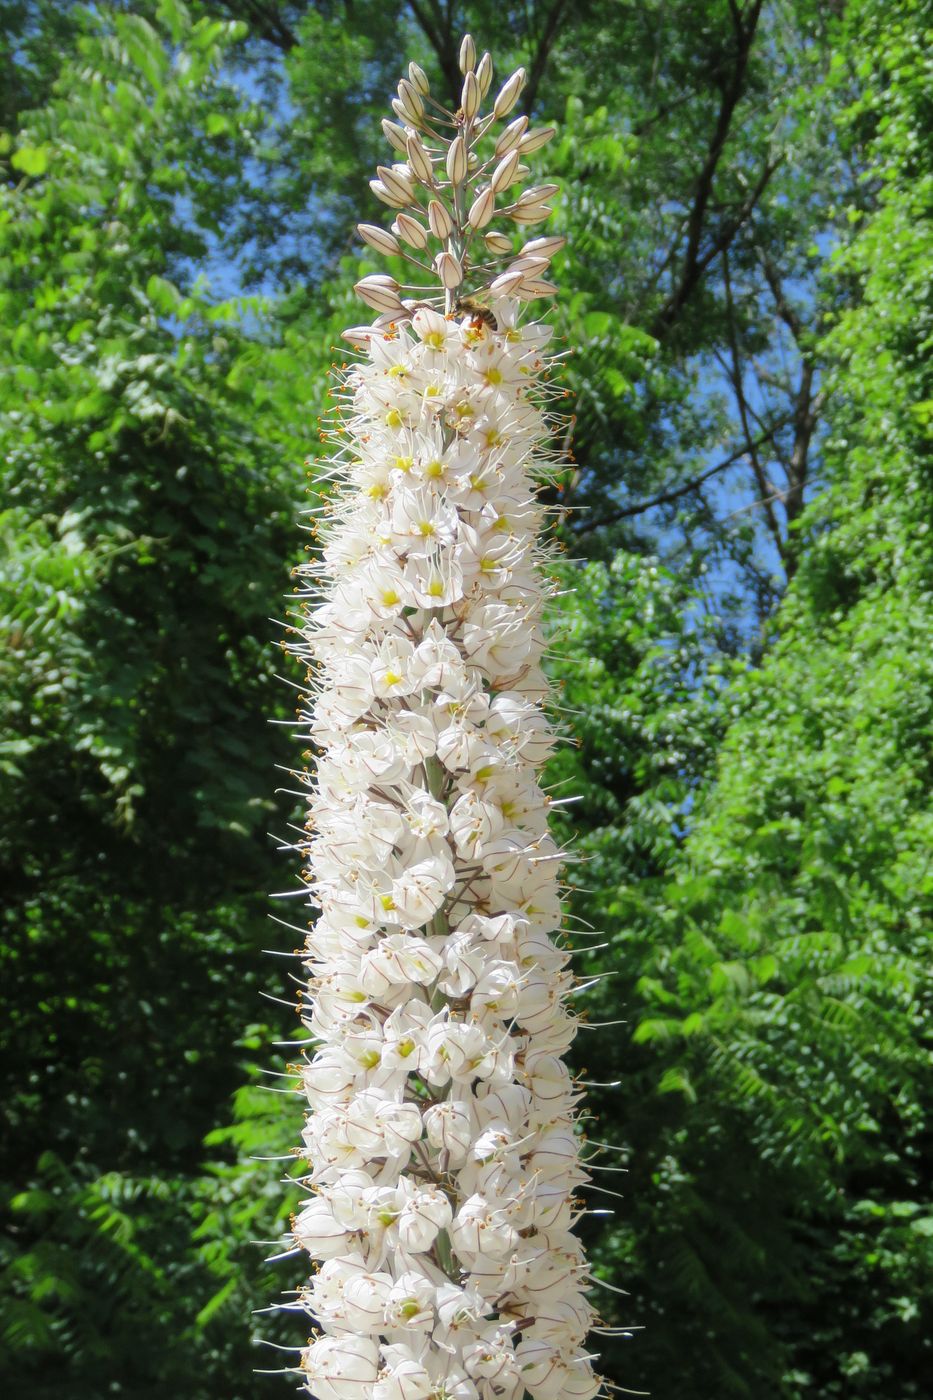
(442, 1152)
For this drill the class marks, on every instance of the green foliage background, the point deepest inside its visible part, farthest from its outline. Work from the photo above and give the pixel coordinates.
(745, 659)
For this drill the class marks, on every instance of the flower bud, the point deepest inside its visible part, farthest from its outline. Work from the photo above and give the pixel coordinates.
(542, 247)
(509, 93)
(535, 139)
(531, 213)
(380, 292)
(482, 209)
(467, 54)
(470, 96)
(448, 269)
(358, 336)
(528, 266)
(379, 238)
(409, 229)
(457, 161)
(504, 174)
(533, 287)
(394, 134)
(498, 242)
(396, 183)
(511, 136)
(505, 283)
(484, 74)
(410, 98)
(381, 190)
(439, 219)
(418, 79)
(537, 194)
(419, 160)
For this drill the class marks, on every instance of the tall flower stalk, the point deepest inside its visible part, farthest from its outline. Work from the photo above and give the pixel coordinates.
(442, 1154)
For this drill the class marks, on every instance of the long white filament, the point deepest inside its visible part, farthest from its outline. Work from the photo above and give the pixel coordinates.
(442, 1153)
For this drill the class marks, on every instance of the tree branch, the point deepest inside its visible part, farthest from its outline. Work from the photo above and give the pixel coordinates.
(765, 487)
(437, 30)
(806, 406)
(693, 265)
(542, 52)
(675, 493)
(266, 22)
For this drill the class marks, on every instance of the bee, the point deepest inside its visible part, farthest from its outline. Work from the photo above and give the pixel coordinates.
(479, 314)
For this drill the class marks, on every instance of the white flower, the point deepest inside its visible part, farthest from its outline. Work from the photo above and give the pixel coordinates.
(441, 1146)
(341, 1368)
(449, 1127)
(422, 1216)
(317, 1230)
(404, 1377)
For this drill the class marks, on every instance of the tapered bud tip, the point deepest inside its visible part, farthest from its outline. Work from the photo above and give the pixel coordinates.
(510, 137)
(533, 287)
(410, 99)
(543, 247)
(506, 283)
(504, 174)
(380, 292)
(498, 243)
(482, 209)
(531, 213)
(388, 196)
(484, 74)
(470, 96)
(394, 134)
(414, 234)
(536, 194)
(378, 238)
(439, 219)
(358, 335)
(534, 140)
(457, 161)
(448, 270)
(508, 93)
(419, 160)
(467, 54)
(377, 280)
(418, 79)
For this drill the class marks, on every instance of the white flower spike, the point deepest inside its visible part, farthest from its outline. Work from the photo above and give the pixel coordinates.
(442, 1150)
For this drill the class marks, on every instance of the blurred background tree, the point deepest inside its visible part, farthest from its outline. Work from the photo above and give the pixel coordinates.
(745, 658)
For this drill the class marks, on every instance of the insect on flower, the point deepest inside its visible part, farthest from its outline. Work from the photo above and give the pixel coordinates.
(480, 315)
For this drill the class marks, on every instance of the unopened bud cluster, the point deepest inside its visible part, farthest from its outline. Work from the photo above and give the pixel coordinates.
(442, 1152)
(457, 190)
